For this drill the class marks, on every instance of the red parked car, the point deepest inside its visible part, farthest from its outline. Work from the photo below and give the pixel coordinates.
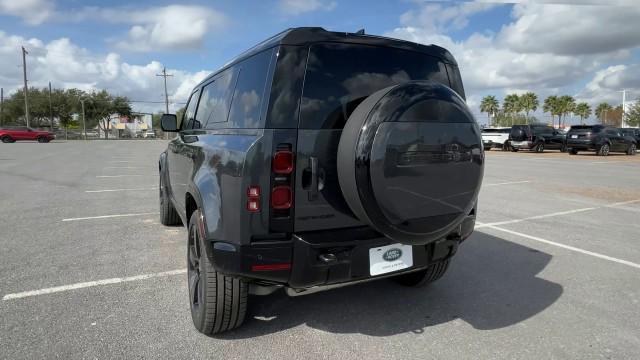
(10, 135)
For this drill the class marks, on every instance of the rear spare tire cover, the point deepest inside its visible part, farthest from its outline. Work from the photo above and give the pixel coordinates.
(410, 161)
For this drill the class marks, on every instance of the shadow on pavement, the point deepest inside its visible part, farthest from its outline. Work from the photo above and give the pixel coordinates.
(492, 283)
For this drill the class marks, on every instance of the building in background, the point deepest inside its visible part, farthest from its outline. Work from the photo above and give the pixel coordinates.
(136, 125)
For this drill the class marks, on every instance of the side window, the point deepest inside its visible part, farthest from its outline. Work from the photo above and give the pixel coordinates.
(189, 114)
(216, 98)
(250, 87)
(455, 80)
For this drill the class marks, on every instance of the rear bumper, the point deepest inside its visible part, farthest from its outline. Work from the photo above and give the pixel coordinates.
(301, 261)
(581, 145)
(522, 144)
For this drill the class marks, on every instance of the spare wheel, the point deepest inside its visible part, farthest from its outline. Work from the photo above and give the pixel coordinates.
(410, 161)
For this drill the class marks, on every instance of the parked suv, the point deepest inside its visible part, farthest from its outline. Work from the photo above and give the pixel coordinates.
(632, 132)
(496, 137)
(19, 133)
(536, 138)
(300, 166)
(602, 139)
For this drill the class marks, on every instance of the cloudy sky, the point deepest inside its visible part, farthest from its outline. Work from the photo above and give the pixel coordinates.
(589, 49)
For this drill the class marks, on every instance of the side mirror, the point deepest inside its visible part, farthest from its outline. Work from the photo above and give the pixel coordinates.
(169, 123)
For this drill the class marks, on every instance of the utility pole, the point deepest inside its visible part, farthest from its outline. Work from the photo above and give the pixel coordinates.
(84, 122)
(24, 72)
(1, 103)
(50, 107)
(166, 96)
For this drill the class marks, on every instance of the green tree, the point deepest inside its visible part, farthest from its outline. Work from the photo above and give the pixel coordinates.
(566, 106)
(529, 102)
(633, 116)
(551, 106)
(100, 106)
(583, 110)
(490, 105)
(511, 106)
(601, 111)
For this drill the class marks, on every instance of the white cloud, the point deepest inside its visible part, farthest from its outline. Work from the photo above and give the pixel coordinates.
(606, 84)
(67, 65)
(171, 27)
(437, 17)
(544, 49)
(571, 29)
(33, 12)
(296, 7)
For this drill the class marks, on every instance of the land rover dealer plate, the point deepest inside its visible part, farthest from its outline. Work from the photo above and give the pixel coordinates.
(390, 258)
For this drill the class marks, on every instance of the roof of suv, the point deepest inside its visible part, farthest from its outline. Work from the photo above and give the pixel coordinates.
(308, 35)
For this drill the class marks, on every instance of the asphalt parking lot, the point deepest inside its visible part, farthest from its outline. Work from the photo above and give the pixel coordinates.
(87, 271)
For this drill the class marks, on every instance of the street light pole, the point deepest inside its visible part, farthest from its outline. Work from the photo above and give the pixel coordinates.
(24, 72)
(624, 98)
(50, 107)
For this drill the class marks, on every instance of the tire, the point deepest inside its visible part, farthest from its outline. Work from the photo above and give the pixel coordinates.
(218, 302)
(7, 139)
(423, 277)
(514, 149)
(539, 148)
(42, 140)
(506, 146)
(632, 150)
(573, 151)
(388, 127)
(168, 214)
(603, 150)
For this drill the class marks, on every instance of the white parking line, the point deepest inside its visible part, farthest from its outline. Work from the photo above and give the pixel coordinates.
(509, 183)
(506, 222)
(568, 212)
(114, 190)
(83, 285)
(108, 216)
(116, 176)
(567, 247)
(122, 167)
(623, 203)
(608, 162)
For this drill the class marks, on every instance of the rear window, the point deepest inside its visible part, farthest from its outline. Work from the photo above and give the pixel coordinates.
(340, 76)
(581, 128)
(516, 128)
(496, 131)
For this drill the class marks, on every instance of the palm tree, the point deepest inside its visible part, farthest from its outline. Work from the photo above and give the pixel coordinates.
(529, 102)
(551, 106)
(566, 106)
(601, 111)
(511, 105)
(583, 110)
(490, 105)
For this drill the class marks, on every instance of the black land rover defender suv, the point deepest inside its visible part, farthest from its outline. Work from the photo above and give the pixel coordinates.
(602, 139)
(319, 159)
(536, 138)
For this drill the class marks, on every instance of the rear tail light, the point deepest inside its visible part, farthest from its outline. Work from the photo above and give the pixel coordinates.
(283, 162)
(281, 197)
(281, 194)
(253, 199)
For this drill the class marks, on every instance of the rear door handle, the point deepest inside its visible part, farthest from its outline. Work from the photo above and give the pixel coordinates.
(313, 190)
